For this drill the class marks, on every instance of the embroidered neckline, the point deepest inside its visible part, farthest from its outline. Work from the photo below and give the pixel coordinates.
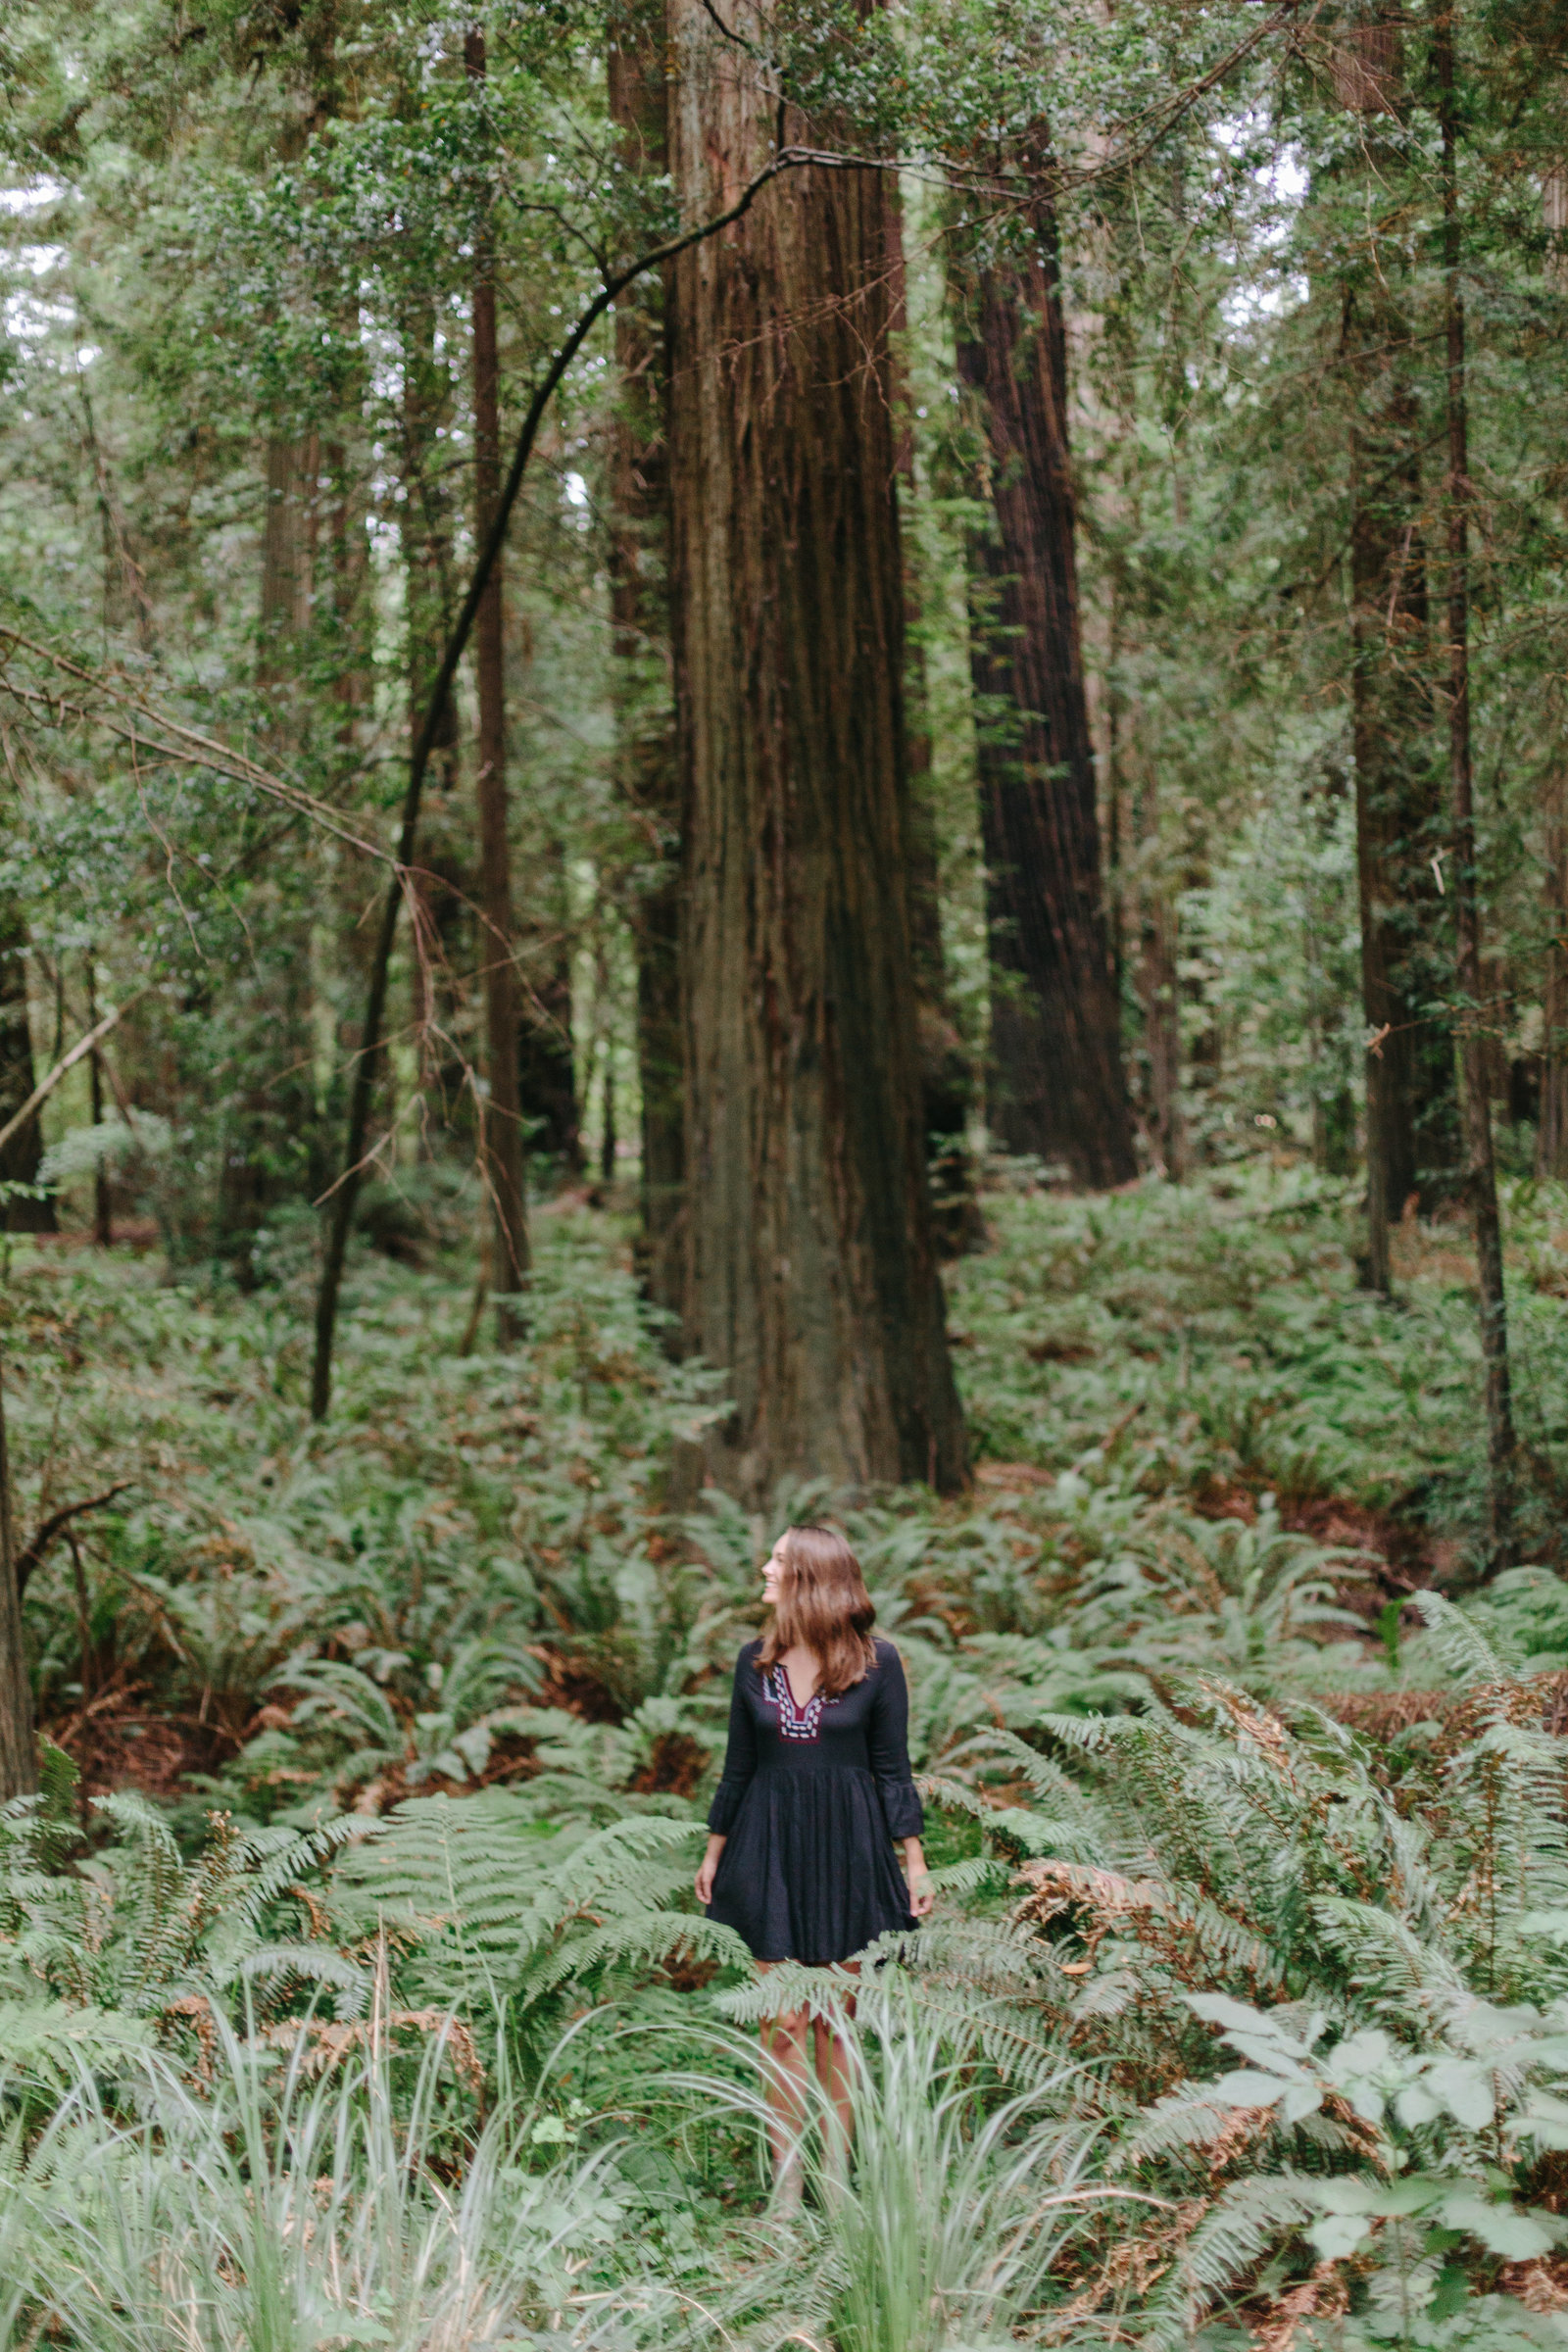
(794, 1723)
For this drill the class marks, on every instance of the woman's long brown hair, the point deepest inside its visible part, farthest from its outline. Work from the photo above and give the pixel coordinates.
(823, 1605)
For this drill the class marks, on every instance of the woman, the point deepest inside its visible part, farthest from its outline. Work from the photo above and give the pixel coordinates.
(815, 1791)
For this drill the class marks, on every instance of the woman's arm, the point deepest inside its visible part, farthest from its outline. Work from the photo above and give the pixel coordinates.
(703, 1881)
(888, 1741)
(740, 1765)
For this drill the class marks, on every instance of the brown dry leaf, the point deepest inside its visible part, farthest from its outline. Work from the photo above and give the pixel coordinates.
(1540, 2285)
(330, 2042)
(1132, 2267)
(1323, 2297)
(1238, 2131)
(197, 2007)
(1060, 1886)
(320, 1925)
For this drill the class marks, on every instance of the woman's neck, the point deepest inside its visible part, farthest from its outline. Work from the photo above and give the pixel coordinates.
(805, 1671)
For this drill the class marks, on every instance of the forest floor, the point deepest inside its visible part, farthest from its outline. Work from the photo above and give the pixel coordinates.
(350, 1963)
(1202, 1348)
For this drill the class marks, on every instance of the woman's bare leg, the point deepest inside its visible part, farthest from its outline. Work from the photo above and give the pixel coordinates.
(833, 2073)
(785, 2077)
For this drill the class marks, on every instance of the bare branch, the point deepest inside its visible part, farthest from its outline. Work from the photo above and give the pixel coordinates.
(68, 1061)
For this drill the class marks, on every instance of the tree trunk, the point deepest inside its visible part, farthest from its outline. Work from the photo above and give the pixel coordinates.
(443, 888)
(547, 1060)
(1155, 980)
(1409, 1086)
(648, 770)
(20, 1157)
(501, 1126)
(103, 1220)
(1399, 806)
(1055, 1024)
(947, 1078)
(18, 1751)
(288, 537)
(810, 1269)
(1481, 1180)
(1552, 1137)
(361, 1092)
(1551, 1143)
(432, 731)
(270, 1115)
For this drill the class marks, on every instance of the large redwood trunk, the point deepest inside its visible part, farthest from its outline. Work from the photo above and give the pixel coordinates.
(647, 766)
(810, 1273)
(1055, 1029)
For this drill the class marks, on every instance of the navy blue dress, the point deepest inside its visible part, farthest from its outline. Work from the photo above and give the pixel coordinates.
(811, 1800)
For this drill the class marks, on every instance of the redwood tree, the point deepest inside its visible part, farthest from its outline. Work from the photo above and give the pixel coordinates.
(811, 1274)
(1480, 1171)
(501, 1127)
(1059, 1087)
(1399, 807)
(648, 768)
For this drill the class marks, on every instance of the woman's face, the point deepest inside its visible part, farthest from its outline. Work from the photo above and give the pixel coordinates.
(772, 1571)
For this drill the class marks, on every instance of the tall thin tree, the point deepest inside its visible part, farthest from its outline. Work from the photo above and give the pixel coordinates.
(20, 1159)
(946, 1076)
(647, 764)
(1480, 1181)
(18, 1753)
(1551, 1142)
(501, 1119)
(1399, 801)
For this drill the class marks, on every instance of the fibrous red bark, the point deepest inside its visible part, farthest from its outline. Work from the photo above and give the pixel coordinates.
(809, 1271)
(1399, 809)
(1059, 1087)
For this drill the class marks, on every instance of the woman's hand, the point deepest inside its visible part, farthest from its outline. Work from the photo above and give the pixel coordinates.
(703, 1881)
(922, 1895)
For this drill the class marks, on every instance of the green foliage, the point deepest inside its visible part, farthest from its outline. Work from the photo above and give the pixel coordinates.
(1223, 1994)
(287, 2204)
(1211, 1884)
(134, 1928)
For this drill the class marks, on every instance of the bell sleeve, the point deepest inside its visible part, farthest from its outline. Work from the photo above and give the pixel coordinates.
(740, 1753)
(888, 1738)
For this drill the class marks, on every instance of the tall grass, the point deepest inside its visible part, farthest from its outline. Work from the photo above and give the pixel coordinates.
(300, 2198)
(958, 2203)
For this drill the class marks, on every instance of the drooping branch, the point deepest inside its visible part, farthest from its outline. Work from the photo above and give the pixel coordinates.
(346, 1190)
(128, 713)
(33, 1553)
(67, 1062)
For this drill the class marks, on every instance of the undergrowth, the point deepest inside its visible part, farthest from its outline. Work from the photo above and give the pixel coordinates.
(351, 1987)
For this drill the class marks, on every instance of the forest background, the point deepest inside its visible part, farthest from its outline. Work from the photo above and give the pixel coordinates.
(762, 761)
